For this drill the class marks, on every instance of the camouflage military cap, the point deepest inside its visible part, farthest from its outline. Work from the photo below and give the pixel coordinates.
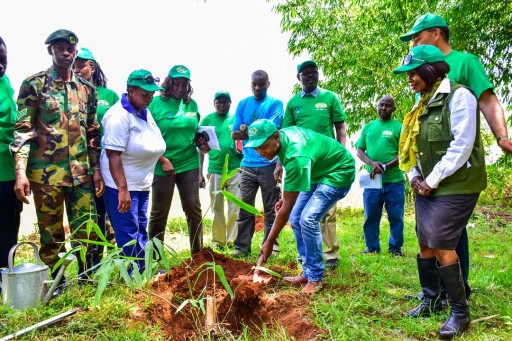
(62, 35)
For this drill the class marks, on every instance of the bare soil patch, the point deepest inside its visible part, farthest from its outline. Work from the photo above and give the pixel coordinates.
(253, 305)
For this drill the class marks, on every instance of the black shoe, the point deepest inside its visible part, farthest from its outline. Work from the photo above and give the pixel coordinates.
(396, 253)
(331, 264)
(241, 254)
(419, 296)
(366, 252)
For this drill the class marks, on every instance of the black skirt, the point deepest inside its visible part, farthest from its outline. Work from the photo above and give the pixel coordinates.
(440, 220)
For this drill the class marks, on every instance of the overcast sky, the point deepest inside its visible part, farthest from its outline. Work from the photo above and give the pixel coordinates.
(221, 41)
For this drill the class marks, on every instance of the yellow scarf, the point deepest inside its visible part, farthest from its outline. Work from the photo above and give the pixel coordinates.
(410, 129)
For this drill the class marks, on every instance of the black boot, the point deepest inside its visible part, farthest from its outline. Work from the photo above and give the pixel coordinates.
(458, 321)
(430, 282)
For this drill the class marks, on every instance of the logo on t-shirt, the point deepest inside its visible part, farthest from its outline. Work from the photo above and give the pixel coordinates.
(321, 106)
(103, 103)
(387, 134)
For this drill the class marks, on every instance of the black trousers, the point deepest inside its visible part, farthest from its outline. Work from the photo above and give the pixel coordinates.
(10, 211)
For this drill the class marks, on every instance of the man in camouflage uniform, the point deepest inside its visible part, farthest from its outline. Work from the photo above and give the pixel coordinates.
(56, 142)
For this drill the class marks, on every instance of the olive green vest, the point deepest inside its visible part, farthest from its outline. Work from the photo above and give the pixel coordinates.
(433, 141)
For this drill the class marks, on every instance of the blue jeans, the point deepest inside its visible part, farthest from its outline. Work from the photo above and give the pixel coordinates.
(129, 225)
(305, 217)
(392, 195)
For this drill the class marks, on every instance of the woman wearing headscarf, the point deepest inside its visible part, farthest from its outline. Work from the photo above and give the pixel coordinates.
(442, 151)
(177, 116)
(132, 145)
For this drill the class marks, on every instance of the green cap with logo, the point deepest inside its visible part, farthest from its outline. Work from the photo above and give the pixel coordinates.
(222, 93)
(179, 71)
(418, 56)
(259, 131)
(85, 53)
(65, 36)
(422, 23)
(305, 64)
(143, 79)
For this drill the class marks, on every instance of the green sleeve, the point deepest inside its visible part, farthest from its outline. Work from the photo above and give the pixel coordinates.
(298, 175)
(361, 142)
(338, 114)
(477, 77)
(289, 119)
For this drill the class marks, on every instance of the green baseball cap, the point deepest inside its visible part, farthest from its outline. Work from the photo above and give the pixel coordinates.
(179, 71)
(259, 131)
(85, 53)
(418, 56)
(143, 79)
(62, 35)
(422, 23)
(304, 64)
(222, 94)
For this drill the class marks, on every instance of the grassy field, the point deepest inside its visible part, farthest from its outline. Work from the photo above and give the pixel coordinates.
(362, 300)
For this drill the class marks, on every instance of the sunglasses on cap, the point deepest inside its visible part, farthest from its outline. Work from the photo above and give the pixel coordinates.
(408, 59)
(149, 79)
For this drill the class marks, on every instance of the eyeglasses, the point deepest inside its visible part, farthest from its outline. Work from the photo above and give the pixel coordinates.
(407, 60)
(149, 79)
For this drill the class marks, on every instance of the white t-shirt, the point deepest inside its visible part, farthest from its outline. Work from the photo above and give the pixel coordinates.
(140, 142)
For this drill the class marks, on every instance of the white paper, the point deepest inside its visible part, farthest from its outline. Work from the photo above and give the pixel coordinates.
(213, 141)
(366, 182)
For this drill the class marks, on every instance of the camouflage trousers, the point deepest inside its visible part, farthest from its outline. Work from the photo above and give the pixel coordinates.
(80, 208)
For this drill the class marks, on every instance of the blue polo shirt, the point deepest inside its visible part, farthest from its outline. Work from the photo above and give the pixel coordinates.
(250, 110)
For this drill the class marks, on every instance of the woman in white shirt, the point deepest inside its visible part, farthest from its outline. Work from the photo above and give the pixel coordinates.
(132, 144)
(442, 152)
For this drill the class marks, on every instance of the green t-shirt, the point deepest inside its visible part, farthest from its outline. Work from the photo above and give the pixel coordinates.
(380, 140)
(106, 99)
(466, 69)
(8, 115)
(178, 124)
(223, 125)
(311, 158)
(316, 113)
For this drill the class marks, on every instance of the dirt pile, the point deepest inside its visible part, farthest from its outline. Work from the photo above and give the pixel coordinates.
(253, 304)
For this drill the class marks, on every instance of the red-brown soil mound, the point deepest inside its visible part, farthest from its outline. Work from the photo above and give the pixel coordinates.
(253, 305)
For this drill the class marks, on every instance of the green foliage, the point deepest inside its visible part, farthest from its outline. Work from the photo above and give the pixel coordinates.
(198, 302)
(225, 177)
(356, 44)
(499, 181)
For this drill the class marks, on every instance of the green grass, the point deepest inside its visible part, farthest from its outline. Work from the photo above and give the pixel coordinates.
(362, 300)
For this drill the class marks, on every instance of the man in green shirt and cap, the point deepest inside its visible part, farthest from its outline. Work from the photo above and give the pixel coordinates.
(319, 172)
(319, 110)
(223, 230)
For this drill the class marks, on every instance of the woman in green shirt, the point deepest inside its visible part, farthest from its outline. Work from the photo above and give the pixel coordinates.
(87, 67)
(10, 206)
(177, 116)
